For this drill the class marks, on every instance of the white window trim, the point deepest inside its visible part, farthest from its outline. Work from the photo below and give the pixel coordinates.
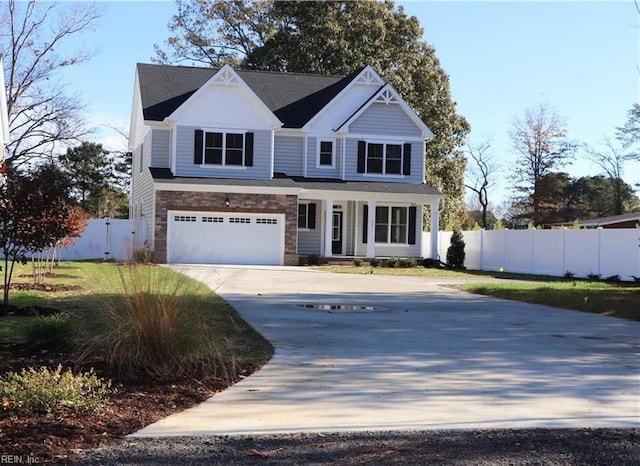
(388, 242)
(224, 164)
(384, 158)
(306, 204)
(333, 153)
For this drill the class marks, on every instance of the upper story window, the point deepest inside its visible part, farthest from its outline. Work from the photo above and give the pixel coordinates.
(223, 149)
(384, 158)
(307, 216)
(325, 154)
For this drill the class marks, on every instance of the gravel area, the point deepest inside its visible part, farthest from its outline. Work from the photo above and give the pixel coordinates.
(487, 447)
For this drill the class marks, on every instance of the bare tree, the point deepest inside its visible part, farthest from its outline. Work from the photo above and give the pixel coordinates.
(480, 171)
(611, 160)
(540, 137)
(42, 113)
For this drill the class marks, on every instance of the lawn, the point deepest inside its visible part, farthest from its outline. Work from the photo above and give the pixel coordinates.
(619, 299)
(83, 289)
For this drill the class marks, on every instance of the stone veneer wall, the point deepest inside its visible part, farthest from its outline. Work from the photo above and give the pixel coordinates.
(215, 202)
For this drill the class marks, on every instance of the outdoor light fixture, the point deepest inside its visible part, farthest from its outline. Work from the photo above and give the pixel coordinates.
(227, 202)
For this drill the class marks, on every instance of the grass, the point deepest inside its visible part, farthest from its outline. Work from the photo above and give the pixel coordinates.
(614, 299)
(102, 283)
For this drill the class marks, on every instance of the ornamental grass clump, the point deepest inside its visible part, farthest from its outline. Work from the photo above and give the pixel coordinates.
(156, 324)
(48, 391)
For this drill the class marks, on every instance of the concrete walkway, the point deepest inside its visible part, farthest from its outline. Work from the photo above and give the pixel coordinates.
(427, 357)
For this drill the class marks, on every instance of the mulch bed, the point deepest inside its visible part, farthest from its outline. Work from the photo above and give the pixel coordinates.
(132, 406)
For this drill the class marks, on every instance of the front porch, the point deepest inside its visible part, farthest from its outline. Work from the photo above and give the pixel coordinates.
(336, 227)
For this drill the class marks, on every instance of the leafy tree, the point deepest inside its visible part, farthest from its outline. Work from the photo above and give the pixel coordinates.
(611, 160)
(539, 136)
(334, 38)
(33, 216)
(481, 170)
(42, 113)
(629, 134)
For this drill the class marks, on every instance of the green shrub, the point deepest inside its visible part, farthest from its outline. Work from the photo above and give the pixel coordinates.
(408, 262)
(593, 276)
(357, 262)
(455, 253)
(393, 263)
(375, 262)
(613, 278)
(51, 332)
(156, 326)
(46, 391)
(568, 274)
(313, 259)
(142, 255)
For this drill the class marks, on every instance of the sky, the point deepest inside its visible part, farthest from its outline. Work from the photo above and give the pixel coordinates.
(582, 59)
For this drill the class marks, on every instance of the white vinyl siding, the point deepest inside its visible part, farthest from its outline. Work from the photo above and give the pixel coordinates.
(289, 155)
(185, 166)
(385, 119)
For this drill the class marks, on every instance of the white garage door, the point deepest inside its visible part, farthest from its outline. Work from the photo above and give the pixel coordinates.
(225, 238)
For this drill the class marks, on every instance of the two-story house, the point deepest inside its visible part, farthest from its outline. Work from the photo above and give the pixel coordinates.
(250, 167)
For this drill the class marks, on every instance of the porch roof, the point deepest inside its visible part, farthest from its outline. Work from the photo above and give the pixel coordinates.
(306, 188)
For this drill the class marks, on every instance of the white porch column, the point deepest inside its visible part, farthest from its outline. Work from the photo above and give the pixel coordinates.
(435, 228)
(328, 227)
(371, 230)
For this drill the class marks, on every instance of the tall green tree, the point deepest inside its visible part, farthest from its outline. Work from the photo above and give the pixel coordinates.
(96, 178)
(335, 38)
(540, 139)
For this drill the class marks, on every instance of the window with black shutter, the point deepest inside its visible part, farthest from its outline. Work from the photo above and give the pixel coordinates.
(223, 149)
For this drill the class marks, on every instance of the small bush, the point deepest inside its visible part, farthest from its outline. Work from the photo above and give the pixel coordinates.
(393, 263)
(313, 259)
(613, 278)
(593, 276)
(568, 274)
(46, 391)
(357, 262)
(408, 262)
(142, 255)
(50, 332)
(455, 253)
(635, 279)
(432, 263)
(375, 262)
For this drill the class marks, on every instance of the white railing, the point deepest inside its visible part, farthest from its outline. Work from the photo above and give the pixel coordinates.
(605, 252)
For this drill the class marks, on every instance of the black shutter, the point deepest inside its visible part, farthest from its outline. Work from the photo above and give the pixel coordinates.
(365, 223)
(406, 159)
(311, 216)
(362, 156)
(412, 225)
(198, 147)
(248, 150)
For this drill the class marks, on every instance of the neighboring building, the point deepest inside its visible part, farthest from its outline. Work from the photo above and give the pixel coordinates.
(4, 116)
(631, 220)
(249, 167)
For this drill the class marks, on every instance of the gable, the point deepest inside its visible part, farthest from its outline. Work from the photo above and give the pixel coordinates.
(388, 119)
(225, 101)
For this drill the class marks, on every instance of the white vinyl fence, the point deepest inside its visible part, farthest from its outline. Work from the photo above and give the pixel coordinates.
(107, 239)
(606, 252)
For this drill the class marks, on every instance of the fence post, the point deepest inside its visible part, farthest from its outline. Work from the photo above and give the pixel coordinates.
(599, 251)
(482, 249)
(504, 251)
(533, 251)
(564, 250)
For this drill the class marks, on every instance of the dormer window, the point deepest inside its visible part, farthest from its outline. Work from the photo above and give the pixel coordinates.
(223, 149)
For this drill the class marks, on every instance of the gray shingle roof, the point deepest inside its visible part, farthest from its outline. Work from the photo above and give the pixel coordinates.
(281, 181)
(293, 97)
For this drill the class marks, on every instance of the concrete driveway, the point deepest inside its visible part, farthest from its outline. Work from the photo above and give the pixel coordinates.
(427, 357)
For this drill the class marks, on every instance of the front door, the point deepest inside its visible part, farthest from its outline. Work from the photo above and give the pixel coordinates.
(336, 234)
